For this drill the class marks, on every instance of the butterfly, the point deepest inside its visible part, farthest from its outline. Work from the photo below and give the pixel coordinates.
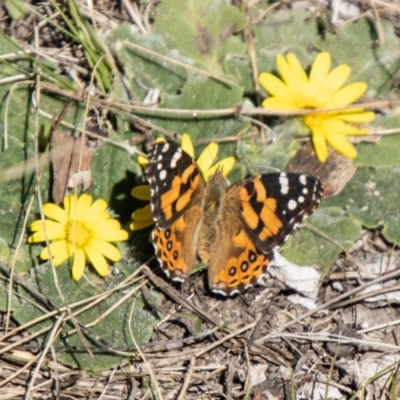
(233, 230)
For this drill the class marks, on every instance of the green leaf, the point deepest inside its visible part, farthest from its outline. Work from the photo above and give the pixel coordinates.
(202, 94)
(15, 8)
(322, 238)
(112, 329)
(384, 153)
(201, 30)
(142, 67)
(372, 198)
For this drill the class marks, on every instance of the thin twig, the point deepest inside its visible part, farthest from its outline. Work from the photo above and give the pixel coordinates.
(186, 383)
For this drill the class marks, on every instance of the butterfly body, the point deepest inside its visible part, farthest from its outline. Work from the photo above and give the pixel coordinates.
(232, 230)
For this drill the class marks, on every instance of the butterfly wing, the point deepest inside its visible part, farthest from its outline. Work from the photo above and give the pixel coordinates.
(176, 245)
(259, 213)
(176, 186)
(271, 205)
(176, 182)
(236, 263)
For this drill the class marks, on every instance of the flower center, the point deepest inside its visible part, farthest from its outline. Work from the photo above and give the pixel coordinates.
(77, 234)
(314, 120)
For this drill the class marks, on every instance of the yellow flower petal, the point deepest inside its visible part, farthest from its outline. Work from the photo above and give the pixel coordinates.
(320, 148)
(51, 229)
(60, 253)
(97, 211)
(187, 145)
(105, 225)
(320, 68)
(347, 95)
(78, 267)
(97, 260)
(330, 85)
(279, 103)
(55, 212)
(337, 77)
(83, 206)
(333, 125)
(287, 74)
(108, 250)
(357, 118)
(274, 85)
(339, 142)
(117, 235)
(70, 206)
(141, 192)
(142, 161)
(136, 225)
(296, 68)
(143, 214)
(207, 157)
(225, 166)
(55, 247)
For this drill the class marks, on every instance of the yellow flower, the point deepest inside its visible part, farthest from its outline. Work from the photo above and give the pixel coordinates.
(81, 230)
(143, 217)
(321, 89)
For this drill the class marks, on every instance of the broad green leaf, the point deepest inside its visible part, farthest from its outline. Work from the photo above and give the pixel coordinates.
(384, 153)
(322, 238)
(201, 30)
(372, 198)
(113, 329)
(15, 8)
(143, 69)
(202, 94)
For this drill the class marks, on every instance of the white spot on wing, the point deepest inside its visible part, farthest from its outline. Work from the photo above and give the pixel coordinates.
(292, 204)
(284, 182)
(176, 157)
(163, 174)
(221, 292)
(303, 179)
(176, 278)
(165, 147)
(300, 199)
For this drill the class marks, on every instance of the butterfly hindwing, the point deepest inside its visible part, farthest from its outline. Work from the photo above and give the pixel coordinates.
(236, 263)
(174, 244)
(175, 182)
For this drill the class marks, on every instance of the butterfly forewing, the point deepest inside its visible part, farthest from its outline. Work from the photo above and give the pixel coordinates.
(175, 182)
(271, 205)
